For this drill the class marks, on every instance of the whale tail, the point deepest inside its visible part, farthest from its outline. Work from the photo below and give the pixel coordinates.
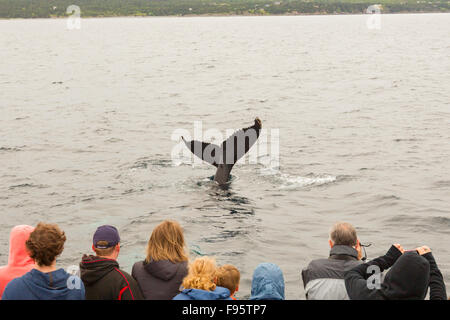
(202, 150)
(230, 151)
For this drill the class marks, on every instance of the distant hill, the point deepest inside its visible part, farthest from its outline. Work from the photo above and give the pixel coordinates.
(111, 8)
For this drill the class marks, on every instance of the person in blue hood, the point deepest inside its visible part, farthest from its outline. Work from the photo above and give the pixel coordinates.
(267, 283)
(219, 293)
(200, 283)
(44, 281)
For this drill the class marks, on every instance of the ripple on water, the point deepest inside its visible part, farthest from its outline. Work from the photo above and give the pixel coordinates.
(443, 184)
(224, 235)
(390, 197)
(406, 140)
(220, 198)
(419, 223)
(113, 140)
(130, 191)
(12, 149)
(28, 185)
(441, 220)
(144, 163)
(209, 182)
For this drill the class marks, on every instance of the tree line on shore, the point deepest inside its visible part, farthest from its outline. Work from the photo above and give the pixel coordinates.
(112, 8)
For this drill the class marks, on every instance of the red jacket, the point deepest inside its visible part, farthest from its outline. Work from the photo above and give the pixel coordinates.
(19, 262)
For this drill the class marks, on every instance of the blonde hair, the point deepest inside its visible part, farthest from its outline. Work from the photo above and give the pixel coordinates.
(201, 274)
(167, 243)
(228, 276)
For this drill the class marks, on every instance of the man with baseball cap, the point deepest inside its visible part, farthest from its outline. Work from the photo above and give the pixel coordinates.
(101, 275)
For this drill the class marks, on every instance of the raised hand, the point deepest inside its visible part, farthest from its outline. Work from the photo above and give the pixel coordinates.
(400, 248)
(423, 250)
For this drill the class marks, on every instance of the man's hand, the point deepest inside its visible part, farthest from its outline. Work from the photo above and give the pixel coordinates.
(258, 122)
(423, 250)
(400, 248)
(359, 250)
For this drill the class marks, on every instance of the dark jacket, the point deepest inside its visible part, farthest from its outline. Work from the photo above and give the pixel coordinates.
(323, 279)
(408, 279)
(159, 280)
(219, 293)
(267, 283)
(36, 285)
(104, 280)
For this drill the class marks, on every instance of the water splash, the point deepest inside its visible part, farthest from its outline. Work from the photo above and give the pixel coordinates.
(209, 181)
(287, 181)
(293, 182)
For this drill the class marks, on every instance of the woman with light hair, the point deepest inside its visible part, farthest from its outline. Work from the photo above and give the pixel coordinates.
(200, 283)
(166, 264)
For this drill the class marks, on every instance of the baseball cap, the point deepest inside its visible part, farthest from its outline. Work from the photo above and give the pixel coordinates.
(106, 233)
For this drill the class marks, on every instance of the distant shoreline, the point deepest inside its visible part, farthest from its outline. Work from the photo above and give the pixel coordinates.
(35, 9)
(228, 15)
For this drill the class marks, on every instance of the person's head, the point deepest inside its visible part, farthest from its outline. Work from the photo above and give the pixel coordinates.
(202, 274)
(228, 276)
(343, 234)
(18, 254)
(267, 283)
(106, 242)
(167, 243)
(408, 278)
(45, 243)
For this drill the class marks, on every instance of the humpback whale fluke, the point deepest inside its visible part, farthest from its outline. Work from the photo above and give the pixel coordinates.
(224, 157)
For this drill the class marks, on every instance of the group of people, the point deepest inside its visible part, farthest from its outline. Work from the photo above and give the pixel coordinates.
(167, 274)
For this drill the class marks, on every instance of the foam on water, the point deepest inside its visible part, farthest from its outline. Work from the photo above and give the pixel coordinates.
(209, 181)
(287, 181)
(293, 182)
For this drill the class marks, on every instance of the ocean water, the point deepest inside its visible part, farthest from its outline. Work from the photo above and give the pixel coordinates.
(88, 116)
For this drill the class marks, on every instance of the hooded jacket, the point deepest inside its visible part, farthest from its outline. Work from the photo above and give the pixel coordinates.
(159, 280)
(104, 280)
(19, 262)
(219, 293)
(267, 283)
(323, 279)
(36, 285)
(409, 277)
